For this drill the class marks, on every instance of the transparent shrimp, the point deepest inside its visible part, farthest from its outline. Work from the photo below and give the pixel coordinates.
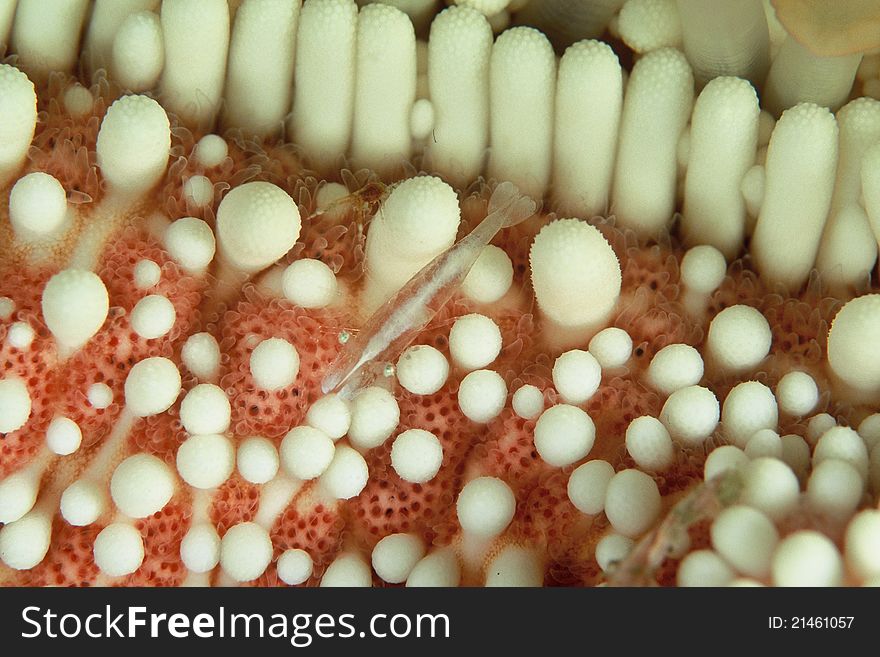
(400, 319)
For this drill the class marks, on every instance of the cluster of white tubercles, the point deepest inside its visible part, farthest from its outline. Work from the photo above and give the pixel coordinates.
(37, 206)
(576, 376)
(674, 367)
(309, 283)
(75, 305)
(274, 364)
(563, 435)
(482, 395)
(153, 317)
(739, 339)
(422, 370)
(190, 241)
(474, 342)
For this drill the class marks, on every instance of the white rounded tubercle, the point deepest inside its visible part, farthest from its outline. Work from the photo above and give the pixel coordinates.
(515, 566)
(416, 455)
(576, 376)
(200, 548)
(346, 475)
(632, 502)
(274, 364)
(739, 339)
(374, 417)
(702, 271)
(63, 436)
(331, 414)
(528, 402)
(723, 458)
(138, 52)
(674, 367)
(490, 277)
(245, 551)
(37, 206)
(845, 444)
(764, 442)
(206, 461)
(211, 150)
(703, 568)
(853, 348)
(133, 145)
(482, 395)
(563, 435)
(588, 484)
(746, 539)
(834, 490)
(612, 549)
(422, 370)
(485, 507)
(119, 549)
(15, 404)
(257, 224)
(141, 485)
(257, 460)
(348, 569)
(748, 407)
(690, 414)
(395, 556)
(201, 356)
(205, 409)
(862, 544)
(309, 283)
(439, 568)
(294, 566)
(20, 336)
(75, 305)
(153, 317)
(190, 242)
(771, 486)
(612, 347)
(474, 342)
(807, 558)
(152, 386)
(147, 274)
(649, 444)
(19, 490)
(306, 453)
(645, 25)
(83, 502)
(797, 394)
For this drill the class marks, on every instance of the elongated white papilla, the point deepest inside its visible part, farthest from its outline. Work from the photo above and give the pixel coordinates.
(138, 53)
(848, 252)
(385, 89)
(797, 76)
(801, 160)
(106, 19)
(725, 37)
(589, 96)
(18, 119)
(458, 77)
(45, 35)
(724, 136)
(259, 73)
(656, 110)
(196, 34)
(323, 97)
(522, 82)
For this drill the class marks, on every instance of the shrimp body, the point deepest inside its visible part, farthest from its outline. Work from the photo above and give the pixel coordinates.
(400, 319)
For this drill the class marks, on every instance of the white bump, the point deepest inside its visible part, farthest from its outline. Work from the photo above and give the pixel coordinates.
(863, 544)
(739, 339)
(199, 190)
(294, 567)
(515, 566)
(438, 569)
(485, 507)
(632, 502)
(63, 436)
(474, 342)
(416, 455)
(528, 402)
(190, 242)
(347, 570)
(422, 370)
(612, 549)
(83, 502)
(7, 307)
(703, 269)
(37, 205)
(797, 394)
(245, 551)
(612, 347)
(764, 442)
(152, 386)
(205, 409)
(374, 416)
(564, 434)
(674, 367)
(845, 444)
(587, 486)
(25, 542)
(722, 459)
(770, 486)
(331, 414)
(201, 355)
(746, 539)
(99, 395)
(75, 305)
(141, 485)
(274, 364)
(690, 414)
(211, 150)
(257, 460)
(834, 489)
(18, 492)
(649, 444)
(15, 404)
(146, 274)
(481, 395)
(704, 568)
(153, 317)
(20, 336)
(309, 283)
(205, 461)
(490, 277)
(119, 549)
(346, 475)
(306, 452)
(200, 548)
(748, 407)
(396, 555)
(576, 376)
(807, 558)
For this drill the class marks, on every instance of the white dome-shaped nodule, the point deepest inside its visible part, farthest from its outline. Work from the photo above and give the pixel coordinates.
(587, 486)
(306, 452)
(152, 386)
(63, 436)
(481, 395)
(119, 549)
(396, 555)
(739, 339)
(422, 369)
(257, 460)
(632, 502)
(294, 566)
(245, 551)
(854, 344)
(576, 376)
(141, 485)
(205, 461)
(309, 283)
(75, 305)
(257, 223)
(416, 455)
(190, 241)
(274, 364)
(37, 205)
(205, 409)
(564, 434)
(690, 414)
(346, 475)
(485, 506)
(200, 548)
(474, 342)
(153, 317)
(15, 404)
